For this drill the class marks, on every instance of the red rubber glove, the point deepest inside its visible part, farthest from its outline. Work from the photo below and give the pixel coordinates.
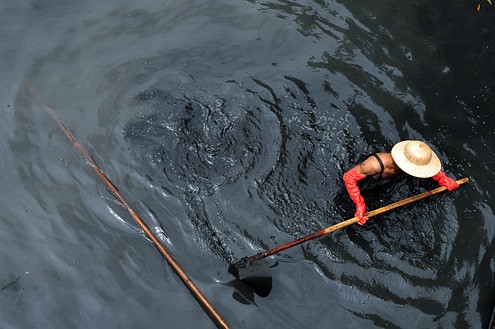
(443, 180)
(350, 180)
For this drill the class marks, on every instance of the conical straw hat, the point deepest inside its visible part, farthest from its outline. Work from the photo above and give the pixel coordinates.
(416, 159)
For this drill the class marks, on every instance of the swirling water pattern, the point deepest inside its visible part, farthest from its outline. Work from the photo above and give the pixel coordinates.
(228, 126)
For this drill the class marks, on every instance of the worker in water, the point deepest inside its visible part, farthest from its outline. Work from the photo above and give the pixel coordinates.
(412, 157)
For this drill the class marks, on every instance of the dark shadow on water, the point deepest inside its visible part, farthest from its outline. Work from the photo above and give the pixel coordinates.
(243, 293)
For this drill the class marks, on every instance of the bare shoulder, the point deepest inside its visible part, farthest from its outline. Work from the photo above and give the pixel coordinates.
(387, 159)
(370, 166)
(390, 168)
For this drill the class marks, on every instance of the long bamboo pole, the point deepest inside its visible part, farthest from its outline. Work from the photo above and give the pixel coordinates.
(113, 189)
(348, 222)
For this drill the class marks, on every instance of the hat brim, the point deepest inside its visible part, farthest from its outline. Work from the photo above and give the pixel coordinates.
(421, 171)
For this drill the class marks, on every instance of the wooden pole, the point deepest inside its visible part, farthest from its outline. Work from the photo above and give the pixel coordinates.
(349, 222)
(187, 281)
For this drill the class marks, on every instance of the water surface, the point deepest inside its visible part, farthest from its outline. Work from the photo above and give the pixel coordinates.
(227, 126)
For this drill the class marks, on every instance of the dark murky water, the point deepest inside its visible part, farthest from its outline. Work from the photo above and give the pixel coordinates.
(227, 126)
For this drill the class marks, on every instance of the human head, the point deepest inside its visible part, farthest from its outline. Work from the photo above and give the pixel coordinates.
(416, 158)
